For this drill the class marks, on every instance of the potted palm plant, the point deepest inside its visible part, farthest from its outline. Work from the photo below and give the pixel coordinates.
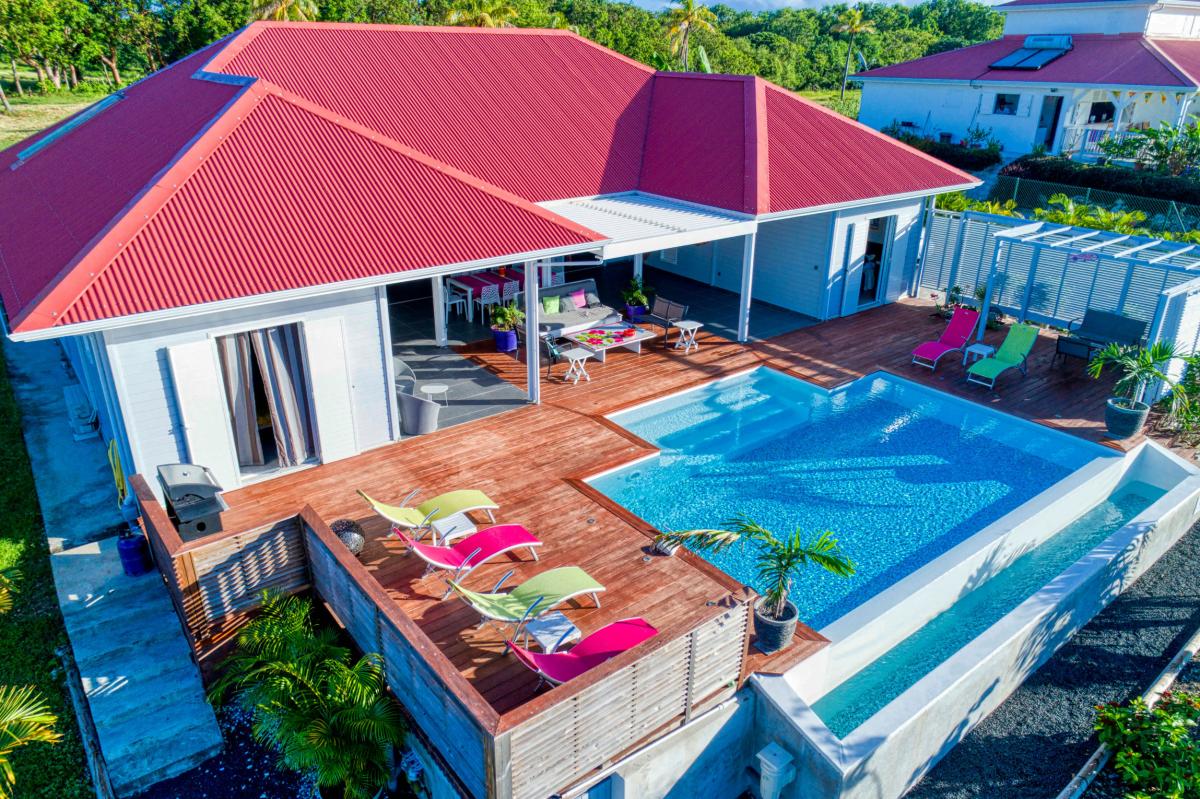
(777, 562)
(324, 713)
(505, 321)
(636, 301)
(1125, 414)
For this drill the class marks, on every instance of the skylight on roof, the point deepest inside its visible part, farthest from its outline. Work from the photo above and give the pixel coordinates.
(68, 126)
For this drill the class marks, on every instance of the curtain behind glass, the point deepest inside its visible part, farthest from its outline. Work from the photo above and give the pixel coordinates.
(278, 350)
(236, 368)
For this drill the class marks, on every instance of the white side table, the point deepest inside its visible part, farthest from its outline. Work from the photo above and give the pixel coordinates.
(687, 335)
(576, 369)
(548, 629)
(434, 390)
(977, 352)
(449, 528)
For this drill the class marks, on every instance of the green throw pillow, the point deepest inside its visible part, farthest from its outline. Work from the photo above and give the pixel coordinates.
(550, 304)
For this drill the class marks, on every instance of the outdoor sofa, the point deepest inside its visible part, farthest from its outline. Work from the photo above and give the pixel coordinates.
(568, 316)
(1095, 331)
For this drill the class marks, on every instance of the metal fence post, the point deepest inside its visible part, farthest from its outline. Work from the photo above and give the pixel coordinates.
(1016, 195)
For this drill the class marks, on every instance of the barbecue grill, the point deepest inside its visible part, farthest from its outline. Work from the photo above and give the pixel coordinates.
(193, 496)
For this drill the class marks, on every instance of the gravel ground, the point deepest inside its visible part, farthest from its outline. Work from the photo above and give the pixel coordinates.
(243, 770)
(1033, 744)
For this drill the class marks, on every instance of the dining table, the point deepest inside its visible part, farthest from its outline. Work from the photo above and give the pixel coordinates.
(473, 284)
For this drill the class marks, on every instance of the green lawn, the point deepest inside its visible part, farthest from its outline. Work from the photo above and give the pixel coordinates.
(29, 117)
(31, 633)
(831, 98)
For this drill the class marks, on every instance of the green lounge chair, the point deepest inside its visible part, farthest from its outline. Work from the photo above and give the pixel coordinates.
(443, 506)
(1011, 355)
(531, 598)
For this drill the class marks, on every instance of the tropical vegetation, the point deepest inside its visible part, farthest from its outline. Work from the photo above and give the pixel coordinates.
(1158, 185)
(979, 149)
(1155, 750)
(52, 45)
(323, 712)
(1167, 149)
(777, 559)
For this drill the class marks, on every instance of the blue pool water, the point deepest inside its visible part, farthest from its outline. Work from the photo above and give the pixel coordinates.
(857, 699)
(900, 473)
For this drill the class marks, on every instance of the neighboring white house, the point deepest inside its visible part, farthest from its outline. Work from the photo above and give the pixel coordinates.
(1065, 75)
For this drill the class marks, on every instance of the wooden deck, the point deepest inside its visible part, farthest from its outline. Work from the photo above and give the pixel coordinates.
(532, 461)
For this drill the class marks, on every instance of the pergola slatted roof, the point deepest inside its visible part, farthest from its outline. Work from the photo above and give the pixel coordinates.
(1118, 246)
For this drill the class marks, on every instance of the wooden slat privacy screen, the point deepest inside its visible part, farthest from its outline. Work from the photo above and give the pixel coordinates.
(543, 746)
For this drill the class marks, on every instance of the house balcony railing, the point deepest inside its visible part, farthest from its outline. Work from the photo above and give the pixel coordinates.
(1087, 141)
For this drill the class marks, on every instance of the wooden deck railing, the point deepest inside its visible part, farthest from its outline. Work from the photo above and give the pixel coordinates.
(551, 741)
(215, 580)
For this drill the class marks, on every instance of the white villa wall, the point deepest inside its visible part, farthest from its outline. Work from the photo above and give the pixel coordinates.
(902, 264)
(791, 263)
(146, 392)
(1026, 21)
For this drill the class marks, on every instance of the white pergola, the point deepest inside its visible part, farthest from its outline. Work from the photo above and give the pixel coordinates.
(1147, 265)
(632, 225)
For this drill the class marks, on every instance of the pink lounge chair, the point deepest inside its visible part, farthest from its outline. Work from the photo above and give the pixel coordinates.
(953, 339)
(463, 557)
(604, 644)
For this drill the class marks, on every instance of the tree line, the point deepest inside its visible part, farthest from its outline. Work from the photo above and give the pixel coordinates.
(59, 41)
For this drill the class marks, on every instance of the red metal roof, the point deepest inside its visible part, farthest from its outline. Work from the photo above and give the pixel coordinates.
(295, 155)
(1097, 59)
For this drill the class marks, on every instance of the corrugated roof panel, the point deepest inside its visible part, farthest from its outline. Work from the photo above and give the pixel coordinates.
(543, 114)
(292, 200)
(817, 157)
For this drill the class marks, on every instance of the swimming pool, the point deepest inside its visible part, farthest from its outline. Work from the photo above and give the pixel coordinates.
(899, 472)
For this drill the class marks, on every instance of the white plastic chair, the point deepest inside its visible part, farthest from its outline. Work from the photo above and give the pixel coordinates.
(488, 297)
(455, 302)
(512, 290)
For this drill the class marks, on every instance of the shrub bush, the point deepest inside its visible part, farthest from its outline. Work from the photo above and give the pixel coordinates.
(1055, 169)
(1155, 750)
(979, 150)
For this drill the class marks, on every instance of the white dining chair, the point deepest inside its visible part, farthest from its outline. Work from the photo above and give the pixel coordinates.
(488, 297)
(456, 301)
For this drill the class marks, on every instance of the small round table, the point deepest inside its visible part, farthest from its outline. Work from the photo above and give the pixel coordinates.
(687, 335)
(434, 390)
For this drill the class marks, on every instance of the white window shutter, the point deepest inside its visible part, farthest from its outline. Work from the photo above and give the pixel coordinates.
(1025, 105)
(204, 409)
(329, 381)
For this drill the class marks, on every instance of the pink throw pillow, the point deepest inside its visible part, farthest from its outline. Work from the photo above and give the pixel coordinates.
(579, 298)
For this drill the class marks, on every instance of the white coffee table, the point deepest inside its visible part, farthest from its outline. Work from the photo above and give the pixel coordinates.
(449, 528)
(435, 390)
(977, 352)
(602, 338)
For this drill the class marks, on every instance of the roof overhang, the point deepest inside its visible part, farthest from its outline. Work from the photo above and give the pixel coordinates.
(251, 301)
(868, 202)
(637, 222)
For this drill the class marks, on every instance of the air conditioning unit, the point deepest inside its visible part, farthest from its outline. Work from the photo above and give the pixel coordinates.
(1049, 42)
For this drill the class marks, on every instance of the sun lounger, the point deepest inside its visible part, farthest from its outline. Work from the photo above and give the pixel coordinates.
(441, 508)
(530, 599)
(604, 644)
(953, 339)
(473, 551)
(1011, 355)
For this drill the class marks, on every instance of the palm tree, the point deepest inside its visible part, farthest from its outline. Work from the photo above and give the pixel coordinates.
(284, 10)
(482, 14)
(1062, 210)
(777, 560)
(25, 718)
(685, 17)
(324, 714)
(853, 24)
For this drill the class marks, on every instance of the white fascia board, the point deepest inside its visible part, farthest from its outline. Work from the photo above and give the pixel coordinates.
(308, 291)
(624, 249)
(867, 202)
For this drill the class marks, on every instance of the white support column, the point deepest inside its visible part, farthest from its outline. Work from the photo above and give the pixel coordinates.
(986, 308)
(439, 312)
(746, 296)
(637, 266)
(547, 272)
(533, 349)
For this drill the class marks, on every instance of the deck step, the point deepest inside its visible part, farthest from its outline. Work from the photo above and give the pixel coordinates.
(143, 689)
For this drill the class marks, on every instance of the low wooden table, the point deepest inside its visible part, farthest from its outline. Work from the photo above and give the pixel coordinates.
(602, 338)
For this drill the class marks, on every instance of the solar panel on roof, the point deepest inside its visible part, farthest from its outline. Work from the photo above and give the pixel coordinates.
(1029, 58)
(1012, 59)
